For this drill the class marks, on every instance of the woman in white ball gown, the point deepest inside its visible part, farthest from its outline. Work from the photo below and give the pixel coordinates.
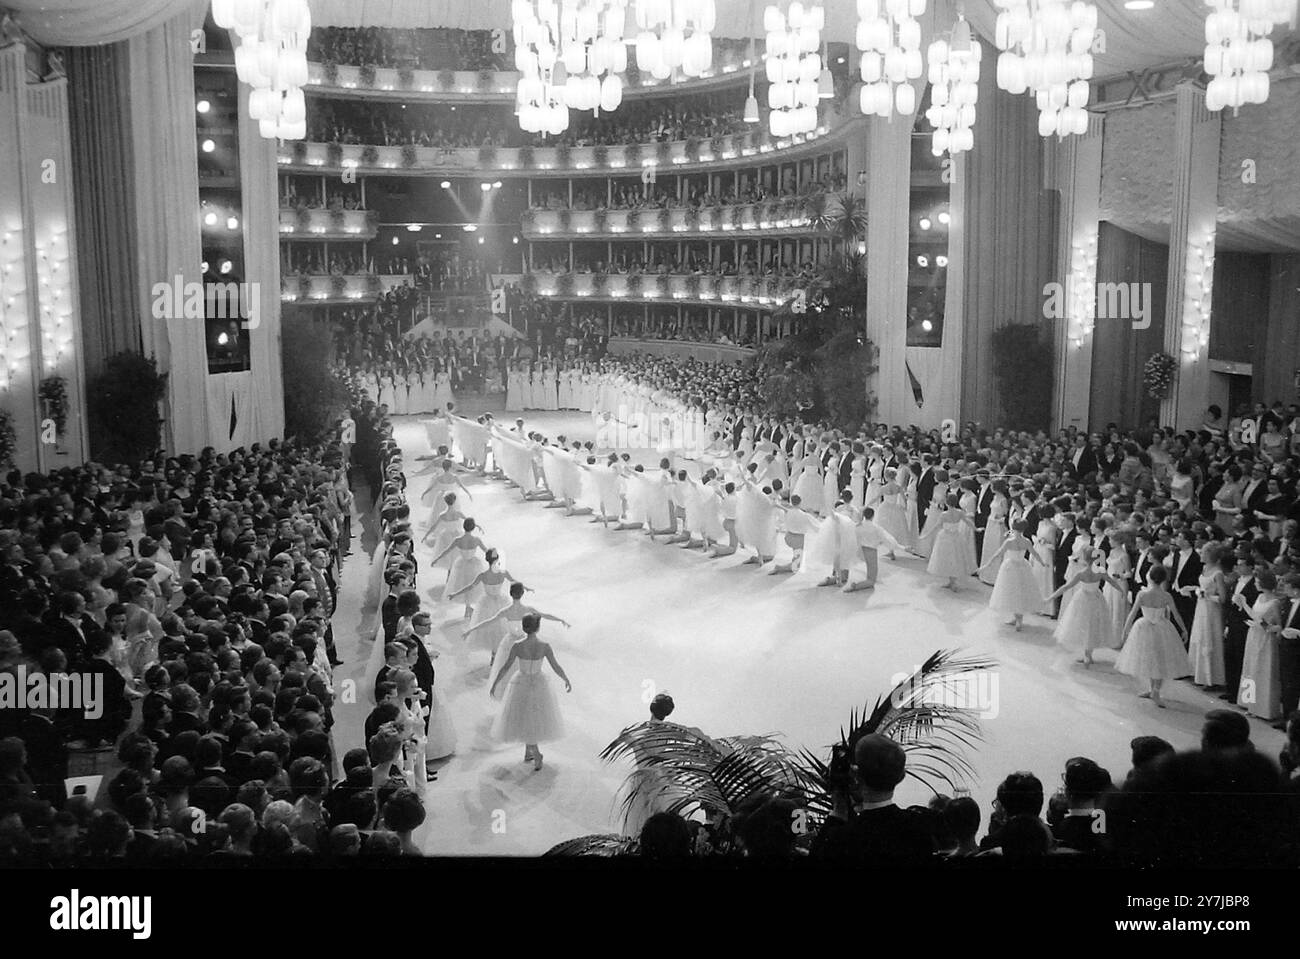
(1085, 623)
(1153, 650)
(891, 514)
(1045, 539)
(952, 552)
(995, 531)
(938, 503)
(1015, 590)
(445, 525)
(1205, 647)
(529, 713)
(511, 619)
(442, 482)
(467, 564)
(1120, 568)
(1260, 691)
(488, 595)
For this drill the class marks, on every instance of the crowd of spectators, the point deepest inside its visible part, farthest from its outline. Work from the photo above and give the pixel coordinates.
(337, 199)
(668, 261)
(422, 125)
(309, 259)
(417, 49)
(626, 196)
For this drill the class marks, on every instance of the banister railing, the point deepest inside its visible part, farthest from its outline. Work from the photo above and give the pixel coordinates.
(783, 213)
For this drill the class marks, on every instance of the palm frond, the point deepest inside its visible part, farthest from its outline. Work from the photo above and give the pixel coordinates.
(595, 845)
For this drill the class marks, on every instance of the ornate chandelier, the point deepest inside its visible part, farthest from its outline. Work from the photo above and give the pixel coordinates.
(889, 37)
(570, 55)
(793, 67)
(675, 35)
(1238, 53)
(954, 89)
(271, 57)
(1047, 48)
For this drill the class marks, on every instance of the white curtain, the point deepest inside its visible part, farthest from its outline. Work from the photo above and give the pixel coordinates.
(261, 205)
(232, 411)
(166, 196)
(82, 23)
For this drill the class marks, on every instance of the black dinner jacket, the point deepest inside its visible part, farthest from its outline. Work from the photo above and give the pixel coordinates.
(846, 469)
(1190, 574)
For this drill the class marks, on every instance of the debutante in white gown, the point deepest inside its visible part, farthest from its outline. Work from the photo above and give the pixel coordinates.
(891, 514)
(808, 487)
(530, 712)
(1205, 648)
(441, 739)
(1015, 591)
(1153, 649)
(952, 554)
(465, 568)
(488, 600)
(1261, 680)
(1119, 601)
(995, 531)
(1085, 623)
(1045, 546)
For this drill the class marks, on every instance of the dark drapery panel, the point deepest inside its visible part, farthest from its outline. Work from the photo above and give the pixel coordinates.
(1275, 372)
(1239, 307)
(1118, 351)
(1010, 234)
(106, 227)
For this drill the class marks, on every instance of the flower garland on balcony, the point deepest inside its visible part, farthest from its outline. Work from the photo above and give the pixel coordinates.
(601, 219)
(600, 285)
(299, 151)
(529, 284)
(566, 221)
(634, 285)
(334, 155)
(526, 158)
(339, 285)
(738, 217)
(1158, 375)
(632, 153)
(406, 77)
(563, 155)
(447, 80)
(330, 73)
(367, 74)
(693, 149)
(409, 155)
(54, 392)
(370, 155)
(338, 221)
(564, 284)
(693, 287)
(302, 223)
(600, 155)
(634, 221)
(664, 153)
(487, 155)
(487, 81)
(693, 219)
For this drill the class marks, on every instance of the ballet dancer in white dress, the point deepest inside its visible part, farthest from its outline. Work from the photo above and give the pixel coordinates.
(467, 564)
(442, 482)
(487, 594)
(529, 713)
(1152, 649)
(952, 554)
(510, 620)
(1015, 589)
(1085, 624)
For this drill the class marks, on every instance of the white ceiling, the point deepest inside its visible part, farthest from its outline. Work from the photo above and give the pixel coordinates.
(1172, 30)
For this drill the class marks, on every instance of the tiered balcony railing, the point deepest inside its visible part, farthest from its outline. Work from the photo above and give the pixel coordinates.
(323, 224)
(796, 215)
(489, 86)
(685, 155)
(329, 290)
(743, 292)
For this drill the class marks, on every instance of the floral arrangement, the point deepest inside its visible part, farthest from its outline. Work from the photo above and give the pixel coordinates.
(406, 77)
(338, 221)
(1158, 374)
(330, 68)
(566, 221)
(302, 222)
(526, 157)
(601, 219)
(693, 149)
(564, 284)
(487, 80)
(8, 438)
(339, 285)
(370, 155)
(664, 153)
(367, 72)
(447, 79)
(409, 156)
(634, 285)
(299, 151)
(334, 155)
(663, 222)
(600, 155)
(600, 285)
(635, 219)
(529, 284)
(487, 156)
(693, 287)
(632, 153)
(562, 156)
(738, 216)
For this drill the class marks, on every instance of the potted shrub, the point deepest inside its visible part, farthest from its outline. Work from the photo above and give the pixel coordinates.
(1158, 375)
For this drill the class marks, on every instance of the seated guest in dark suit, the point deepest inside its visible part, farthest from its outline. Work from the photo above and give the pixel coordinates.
(878, 829)
(105, 683)
(394, 659)
(1082, 827)
(1020, 794)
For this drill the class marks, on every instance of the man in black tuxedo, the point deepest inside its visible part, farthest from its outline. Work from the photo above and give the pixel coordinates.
(1142, 563)
(1288, 650)
(422, 623)
(983, 507)
(924, 490)
(1083, 459)
(880, 832)
(1237, 623)
(844, 470)
(1186, 576)
(1255, 492)
(1065, 522)
(71, 628)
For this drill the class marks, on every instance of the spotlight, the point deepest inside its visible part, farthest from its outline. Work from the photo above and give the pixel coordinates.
(413, 228)
(396, 241)
(226, 266)
(515, 240)
(208, 146)
(203, 106)
(496, 185)
(446, 184)
(922, 260)
(485, 187)
(927, 325)
(941, 260)
(480, 241)
(944, 218)
(471, 227)
(925, 223)
(222, 339)
(210, 219)
(232, 223)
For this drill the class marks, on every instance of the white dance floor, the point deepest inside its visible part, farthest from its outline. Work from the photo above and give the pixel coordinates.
(740, 651)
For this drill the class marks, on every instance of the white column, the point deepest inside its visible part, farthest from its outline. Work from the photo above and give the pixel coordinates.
(1078, 172)
(1191, 256)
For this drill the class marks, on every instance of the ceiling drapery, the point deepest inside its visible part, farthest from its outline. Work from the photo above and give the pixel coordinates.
(84, 23)
(1174, 29)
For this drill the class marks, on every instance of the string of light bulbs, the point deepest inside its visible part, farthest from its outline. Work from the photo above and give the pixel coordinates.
(794, 68)
(271, 57)
(889, 38)
(675, 35)
(1238, 52)
(1047, 51)
(954, 66)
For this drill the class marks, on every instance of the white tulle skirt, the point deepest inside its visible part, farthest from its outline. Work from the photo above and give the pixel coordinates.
(464, 570)
(1085, 624)
(1016, 589)
(1205, 648)
(952, 554)
(442, 731)
(529, 710)
(1153, 651)
(487, 603)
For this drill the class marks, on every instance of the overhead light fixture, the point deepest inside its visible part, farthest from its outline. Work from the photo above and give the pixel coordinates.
(1139, 4)
(210, 219)
(927, 325)
(675, 36)
(793, 67)
(751, 102)
(941, 261)
(208, 146)
(271, 57)
(1238, 52)
(1047, 51)
(825, 82)
(470, 228)
(515, 240)
(446, 184)
(232, 223)
(925, 223)
(396, 241)
(413, 228)
(226, 266)
(944, 218)
(203, 106)
(954, 88)
(889, 36)
(496, 185)
(485, 187)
